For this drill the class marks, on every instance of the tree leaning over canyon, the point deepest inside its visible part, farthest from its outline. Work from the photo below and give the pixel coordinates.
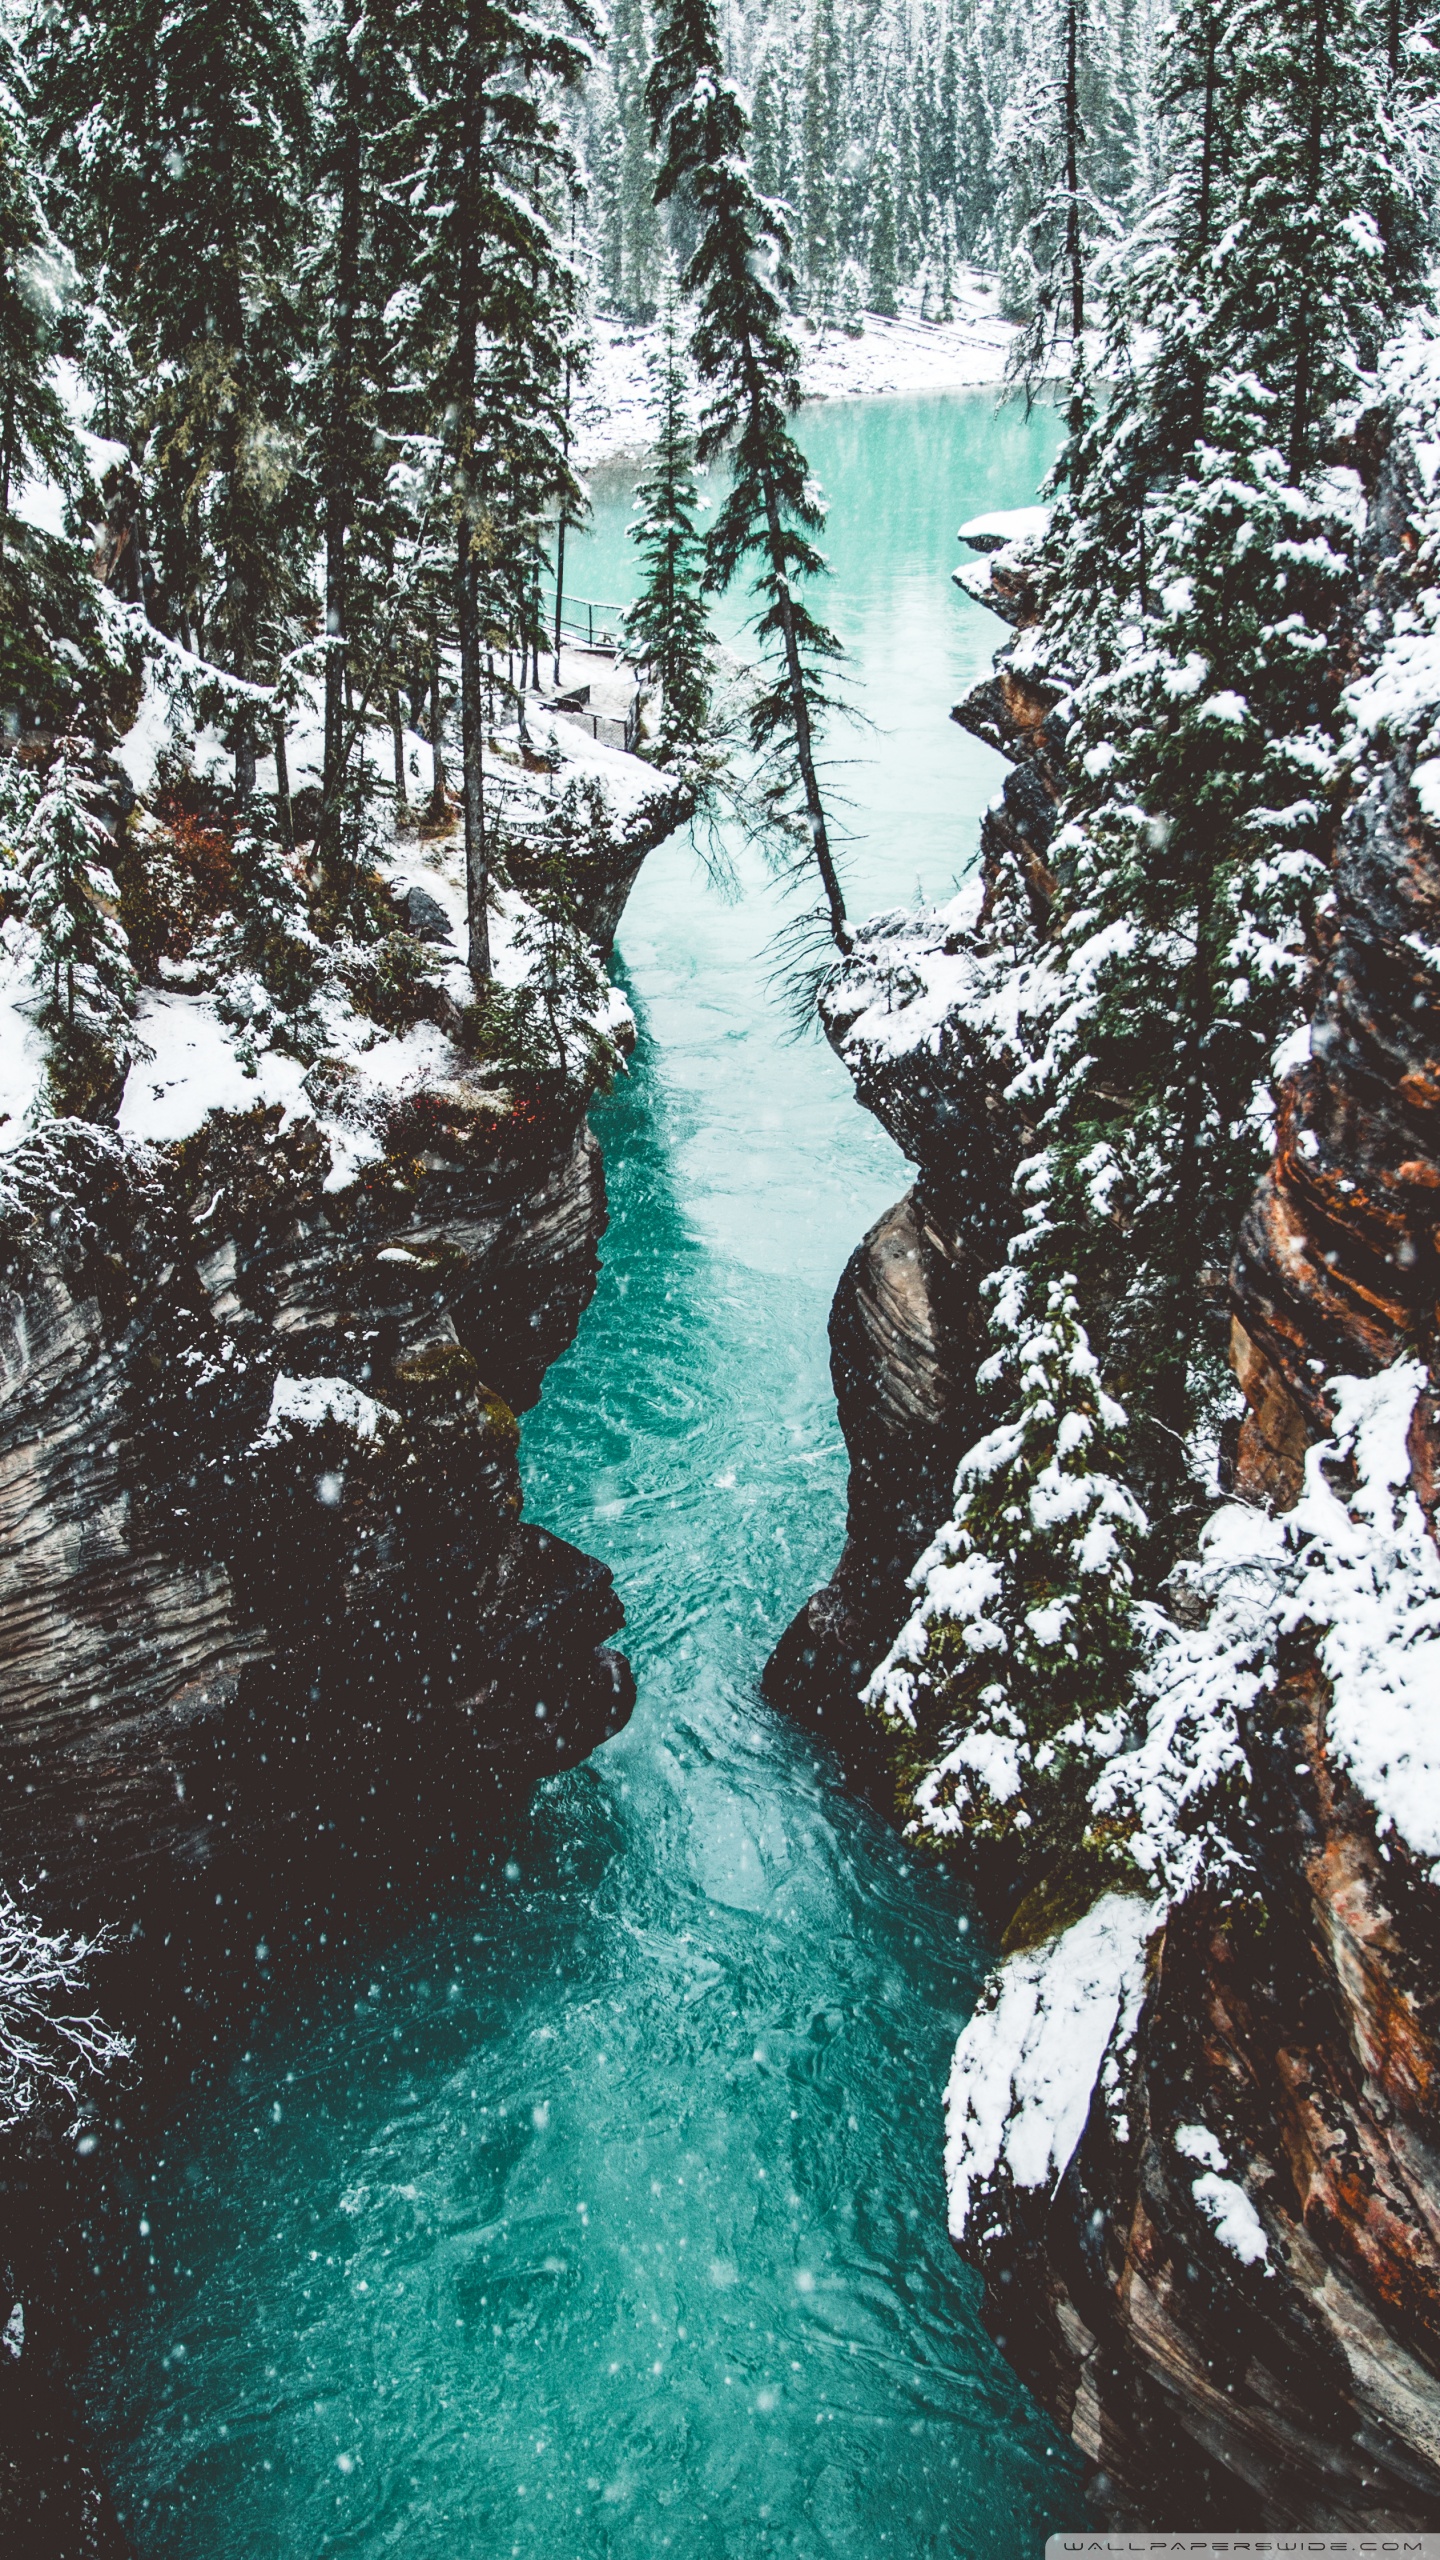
(750, 367)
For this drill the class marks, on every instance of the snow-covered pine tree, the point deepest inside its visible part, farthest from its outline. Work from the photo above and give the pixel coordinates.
(1006, 1691)
(945, 142)
(38, 586)
(821, 150)
(20, 789)
(364, 247)
(34, 269)
(1305, 287)
(1050, 210)
(264, 958)
(181, 130)
(641, 245)
(772, 148)
(975, 194)
(884, 235)
(750, 367)
(667, 629)
(1196, 605)
(556, 1011)
(1194, 587)
(909, 211)
(605, 154)
(72, 904)
(494, 308)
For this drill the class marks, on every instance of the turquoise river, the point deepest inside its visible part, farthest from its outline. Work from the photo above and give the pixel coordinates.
(601, 2212)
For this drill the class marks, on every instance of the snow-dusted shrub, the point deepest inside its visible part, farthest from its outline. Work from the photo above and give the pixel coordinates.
(51, 2049)
(547, 1022)
(263, 956)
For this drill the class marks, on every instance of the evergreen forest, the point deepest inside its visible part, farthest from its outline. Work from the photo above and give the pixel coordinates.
(324, 784)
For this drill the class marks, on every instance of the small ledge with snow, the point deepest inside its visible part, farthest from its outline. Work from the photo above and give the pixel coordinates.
(1025, 2068)
(1004, 527)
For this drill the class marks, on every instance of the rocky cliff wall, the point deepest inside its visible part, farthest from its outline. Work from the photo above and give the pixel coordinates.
(276, 1639)
(264, 1583)
(1228, 2289)
(1300, 2030)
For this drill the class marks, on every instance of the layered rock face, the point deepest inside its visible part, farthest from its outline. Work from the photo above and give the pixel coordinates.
(275, 1635)
(1229, 2292)
(266, 1591)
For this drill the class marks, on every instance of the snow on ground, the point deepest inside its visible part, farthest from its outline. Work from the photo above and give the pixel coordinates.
(1367, 1574)
(1004, 526)
(191, 1062)
(193, 1068)
(303, 1404)
(905, 354)
(1226, 2206)
(1024, 2069)
(1233, 2218)
(194, 1065)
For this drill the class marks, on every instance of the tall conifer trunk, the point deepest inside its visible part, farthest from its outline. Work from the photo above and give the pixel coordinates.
(231, 318)
(1319, 71)
(804, 735)
(340, 458)
(7, 461)
(467, 584)
(1074, 256)
(438, 802)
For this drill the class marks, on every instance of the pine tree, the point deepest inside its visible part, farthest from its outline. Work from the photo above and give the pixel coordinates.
(493, 320)
(39, 588)
(182, 134)
(366, 244)
(975, 158)
(667, 628)
(34, 272)
(20, 789)
(909, 214)
(945, 163)
(770, 130)
(1044, 153)
(884, 242)
(1306, 276)
(264, 958)
(555, 1012)
(1009, 1689)
(72, 904)
(1195, 580)
(640, 240)
(606, 161)
(1199, 579)
(747, 360)
(820, 148)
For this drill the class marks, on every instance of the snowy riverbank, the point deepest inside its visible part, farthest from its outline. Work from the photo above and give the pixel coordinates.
(905, 354)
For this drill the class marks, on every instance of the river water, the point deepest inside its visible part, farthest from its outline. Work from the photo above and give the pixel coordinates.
(602, 2214)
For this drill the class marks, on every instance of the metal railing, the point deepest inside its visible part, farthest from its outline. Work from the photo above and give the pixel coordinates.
(606, 731)
(596, 626)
